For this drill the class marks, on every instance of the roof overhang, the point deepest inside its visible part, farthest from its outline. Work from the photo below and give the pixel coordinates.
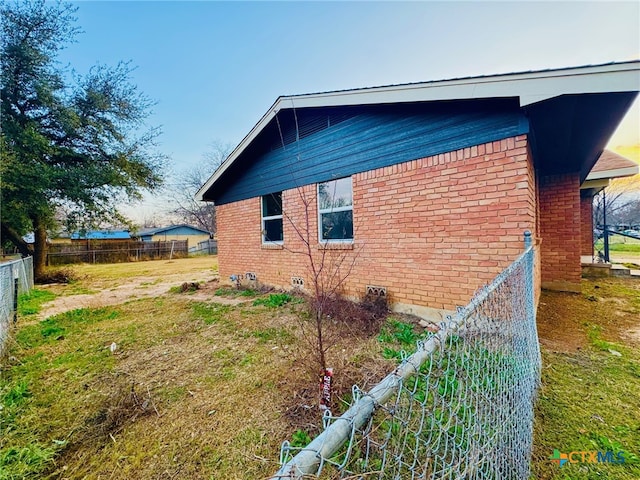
(597, 185)
(617, 173)
(609, 166)
(529, 87)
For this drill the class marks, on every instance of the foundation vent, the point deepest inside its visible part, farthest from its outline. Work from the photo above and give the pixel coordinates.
(297, 282)
(376, 291)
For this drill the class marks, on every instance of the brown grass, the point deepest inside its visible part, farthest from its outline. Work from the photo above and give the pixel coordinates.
(200, 389)
(195, 389)
(590, 394)
(111, 274)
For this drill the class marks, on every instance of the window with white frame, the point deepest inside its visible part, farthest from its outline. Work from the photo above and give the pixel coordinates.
(335, 210)
(272, 218)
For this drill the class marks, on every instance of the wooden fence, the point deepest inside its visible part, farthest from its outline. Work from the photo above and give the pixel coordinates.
(114, 251)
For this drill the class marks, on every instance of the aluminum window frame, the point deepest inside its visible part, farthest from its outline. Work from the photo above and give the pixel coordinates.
(264, 219)
(322, 211)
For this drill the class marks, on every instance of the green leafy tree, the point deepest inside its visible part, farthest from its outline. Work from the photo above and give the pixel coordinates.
(69, 143)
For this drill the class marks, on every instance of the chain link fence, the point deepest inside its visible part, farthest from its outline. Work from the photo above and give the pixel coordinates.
(460, 407)
(16, 278)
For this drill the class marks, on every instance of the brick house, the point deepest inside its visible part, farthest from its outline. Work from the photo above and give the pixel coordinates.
(424, 189)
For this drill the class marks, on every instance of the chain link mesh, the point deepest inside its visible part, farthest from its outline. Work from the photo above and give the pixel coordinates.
(460, 407)
(22, 270)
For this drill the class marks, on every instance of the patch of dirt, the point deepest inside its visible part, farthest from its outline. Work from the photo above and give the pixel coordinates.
(560, 318)
(564, 319)
(140, 287)
(634, 334)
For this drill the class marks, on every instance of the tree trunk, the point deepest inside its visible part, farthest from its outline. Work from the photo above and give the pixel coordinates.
(39, 248)
(23, 247)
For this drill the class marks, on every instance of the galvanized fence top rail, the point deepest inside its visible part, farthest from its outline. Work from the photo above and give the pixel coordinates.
(461, 406)
(16, 278)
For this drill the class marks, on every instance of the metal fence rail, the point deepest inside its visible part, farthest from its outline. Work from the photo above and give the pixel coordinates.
(16, 278)
(460, 407)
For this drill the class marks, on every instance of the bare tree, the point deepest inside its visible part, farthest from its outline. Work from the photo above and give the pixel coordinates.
(184, 206)
(328, 269)
(619, 199)
(630, 213)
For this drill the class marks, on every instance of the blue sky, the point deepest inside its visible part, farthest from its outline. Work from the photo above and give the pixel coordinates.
(214, 68)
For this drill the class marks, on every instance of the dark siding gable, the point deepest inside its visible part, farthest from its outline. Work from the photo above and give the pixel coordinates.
(348, 140)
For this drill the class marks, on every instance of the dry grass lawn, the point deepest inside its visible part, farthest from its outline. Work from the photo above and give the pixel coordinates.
(196, 388)
(590, 395)
(203, 386)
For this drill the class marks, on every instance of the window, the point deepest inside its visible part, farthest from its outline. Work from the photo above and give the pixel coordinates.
(335, 210)
(272, 218)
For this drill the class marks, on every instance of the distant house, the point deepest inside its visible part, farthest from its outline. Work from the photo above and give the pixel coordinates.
(610, 165)
(101, 235)
(426, 187)
(193, 235)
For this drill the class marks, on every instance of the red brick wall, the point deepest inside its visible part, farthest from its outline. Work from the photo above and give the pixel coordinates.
(430, 230)
(560, 231)
(586, 224)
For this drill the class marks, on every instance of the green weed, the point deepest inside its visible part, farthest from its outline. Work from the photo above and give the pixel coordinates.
(398, 332)
(274, 300)
(236, 292)
(271, 334)
(400, 337)
(300, 439)
(24, 462)
(594, 335)
(13, 396)
(31, 303)
(210, 313)
(59, 326)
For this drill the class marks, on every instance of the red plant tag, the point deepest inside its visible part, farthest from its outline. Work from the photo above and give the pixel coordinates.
(325, 389)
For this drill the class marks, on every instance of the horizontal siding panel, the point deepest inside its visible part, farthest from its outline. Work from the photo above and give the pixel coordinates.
(365, 142)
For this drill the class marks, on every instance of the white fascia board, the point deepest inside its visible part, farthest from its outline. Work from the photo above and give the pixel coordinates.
(596, 82)
(529, 87)
(619, 172)
(600, 183)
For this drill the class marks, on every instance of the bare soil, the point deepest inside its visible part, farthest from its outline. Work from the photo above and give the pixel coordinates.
(564, 318)
(139, 287)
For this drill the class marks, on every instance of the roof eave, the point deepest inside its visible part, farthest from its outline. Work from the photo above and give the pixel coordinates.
(616, 173)
(235, 153)
(528, 87)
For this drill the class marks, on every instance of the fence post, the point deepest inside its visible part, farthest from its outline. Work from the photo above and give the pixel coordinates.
(15, 298)
(530, 301)
(529, 269)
